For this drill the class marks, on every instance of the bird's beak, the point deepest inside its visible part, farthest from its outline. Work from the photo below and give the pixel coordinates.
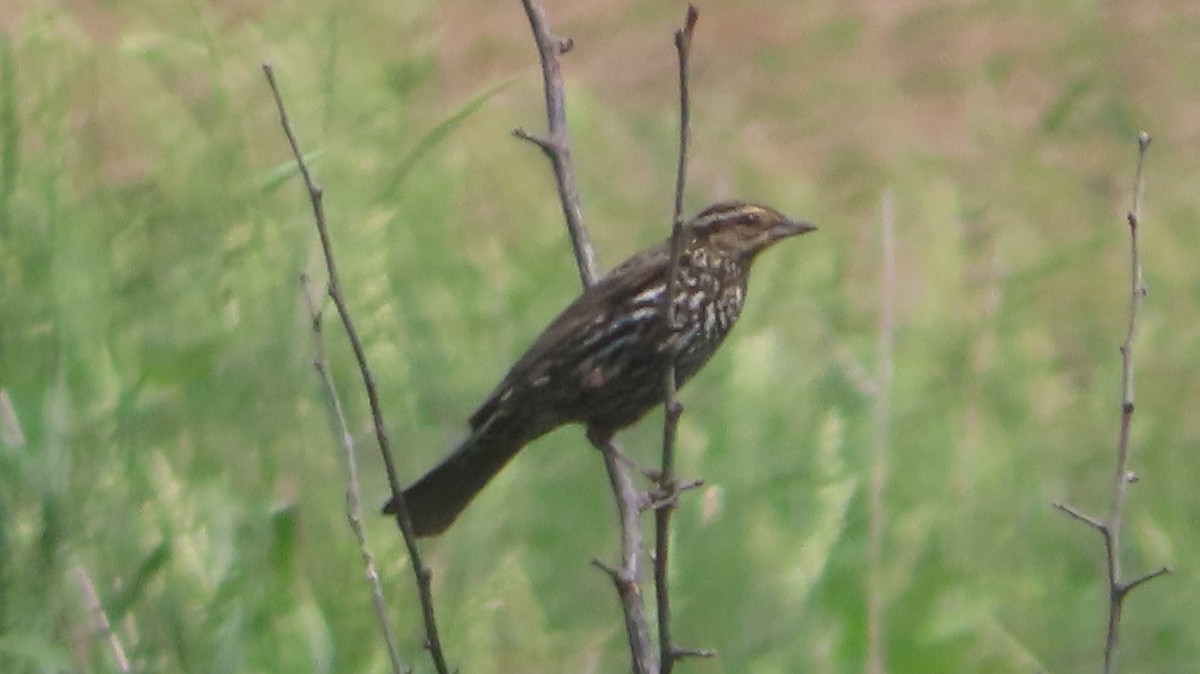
(790, 228)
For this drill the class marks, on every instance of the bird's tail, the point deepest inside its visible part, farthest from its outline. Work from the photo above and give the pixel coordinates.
(435, 500)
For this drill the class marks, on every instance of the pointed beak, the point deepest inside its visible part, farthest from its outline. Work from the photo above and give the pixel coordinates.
(790, 228)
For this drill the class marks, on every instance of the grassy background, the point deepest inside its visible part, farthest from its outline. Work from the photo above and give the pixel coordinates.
(161, 429)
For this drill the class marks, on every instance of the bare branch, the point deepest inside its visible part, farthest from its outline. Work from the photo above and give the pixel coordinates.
(607, 568)
(1128, 587)
(538, 140)
(557, 144)
(557, 147)
(672, 408)
(683, 47)
(1112, 526)
(354, 512)
(1081, 516)
(421, 573)
(681, 653)
(626, 576)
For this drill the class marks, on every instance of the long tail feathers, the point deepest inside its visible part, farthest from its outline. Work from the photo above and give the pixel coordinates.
(436, 500)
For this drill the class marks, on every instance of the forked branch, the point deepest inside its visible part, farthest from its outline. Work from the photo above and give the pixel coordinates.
(1110, 527)
(557, 143)
(421, 572)
(557, 146)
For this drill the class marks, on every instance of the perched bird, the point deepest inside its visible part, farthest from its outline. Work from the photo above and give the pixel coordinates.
(602, 361)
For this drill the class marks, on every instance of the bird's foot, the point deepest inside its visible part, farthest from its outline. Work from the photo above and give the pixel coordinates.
(665, 497)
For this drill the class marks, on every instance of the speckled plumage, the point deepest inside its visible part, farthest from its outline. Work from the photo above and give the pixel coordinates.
(601, 362)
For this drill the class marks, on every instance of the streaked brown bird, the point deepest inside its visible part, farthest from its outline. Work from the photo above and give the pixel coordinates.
(602, 361)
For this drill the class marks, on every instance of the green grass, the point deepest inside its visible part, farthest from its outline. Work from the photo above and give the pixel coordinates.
(161, 427)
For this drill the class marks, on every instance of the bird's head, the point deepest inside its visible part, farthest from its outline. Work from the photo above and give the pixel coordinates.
(742, 230)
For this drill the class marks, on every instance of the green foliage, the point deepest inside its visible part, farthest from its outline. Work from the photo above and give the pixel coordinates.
(161, 430)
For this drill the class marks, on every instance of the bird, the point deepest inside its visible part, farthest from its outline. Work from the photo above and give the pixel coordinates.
(602, 361)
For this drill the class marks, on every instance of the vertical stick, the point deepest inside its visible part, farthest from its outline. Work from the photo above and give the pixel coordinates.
(1111, 527)
(672, 409)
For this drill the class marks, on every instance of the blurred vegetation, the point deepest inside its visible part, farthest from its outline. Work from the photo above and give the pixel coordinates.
(161, 428)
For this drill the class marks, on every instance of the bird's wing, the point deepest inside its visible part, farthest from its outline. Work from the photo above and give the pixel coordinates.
(623, 283)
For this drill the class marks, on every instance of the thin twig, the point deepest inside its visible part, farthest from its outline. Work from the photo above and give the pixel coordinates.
(557, 147)
(91, 600)
(672, 408)
(557, 144)
(421, 572)
(882, 418)
(1080, 515)
(626, 577)
(354, 511)
(1111, 527)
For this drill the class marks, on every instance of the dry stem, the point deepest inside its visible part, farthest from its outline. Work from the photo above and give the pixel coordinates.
(354, 511)
(421, 573)
(557, 144)
(669, 489)
(1110, 527)
(626, 578)
(557, 147)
